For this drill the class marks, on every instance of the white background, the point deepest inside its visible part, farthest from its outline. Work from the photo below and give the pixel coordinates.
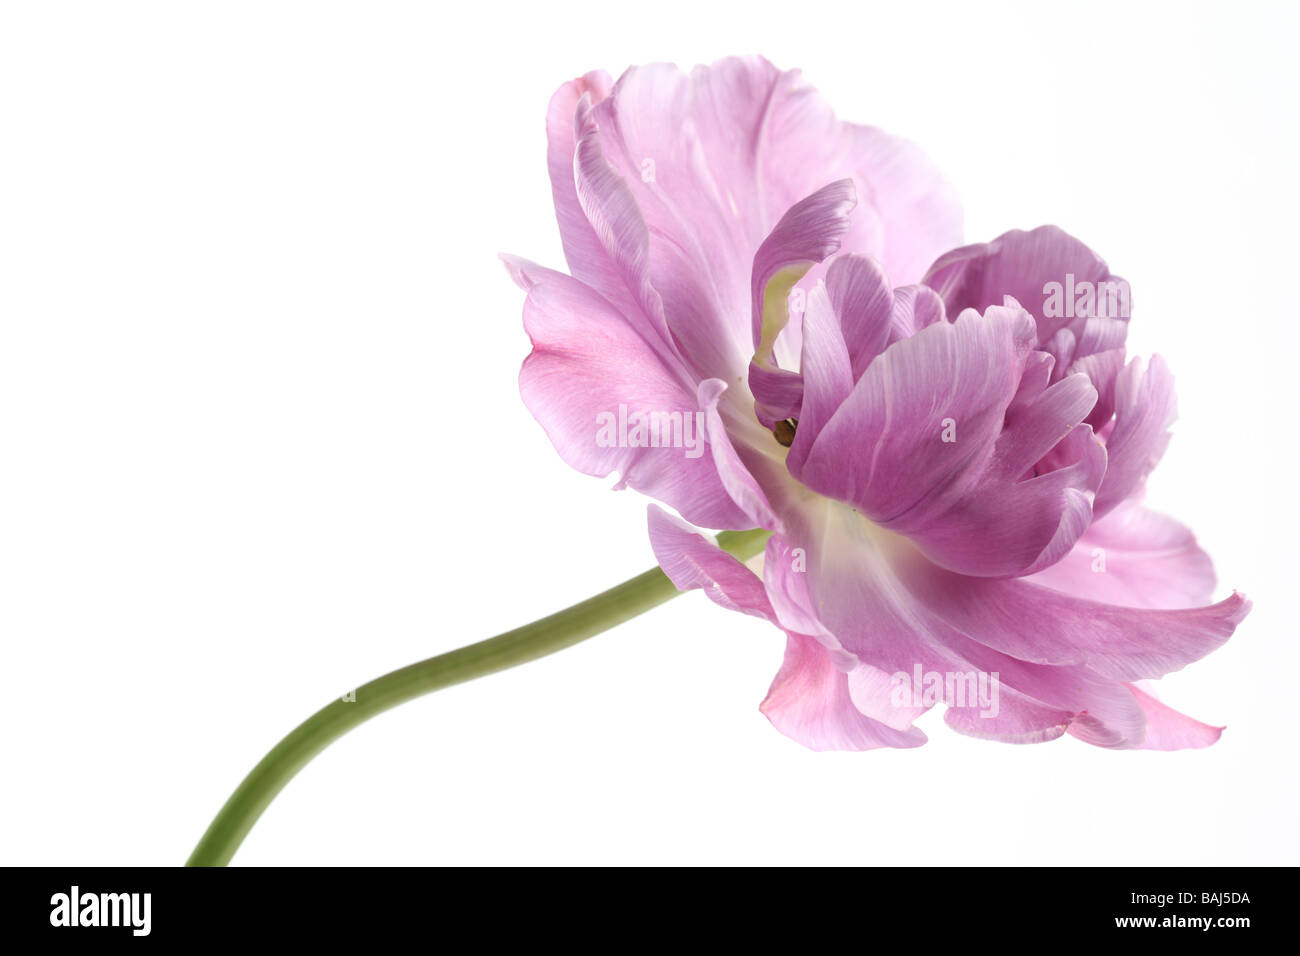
(260, 436)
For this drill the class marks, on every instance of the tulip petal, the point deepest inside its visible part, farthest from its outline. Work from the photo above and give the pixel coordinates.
(587, 362)
(1037, 624)
(809, 701)
(1023, 265)
(740, 484)
(1134, 557)
(1167, 729)
(1145, 408)
(692, 561)
(864, 303)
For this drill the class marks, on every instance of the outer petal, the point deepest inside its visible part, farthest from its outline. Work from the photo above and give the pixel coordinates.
(587, 361)
(1039, 625)
(740, 484)
(1145, 408)
(715, 159)
(871, 612)
(1134, 557)
(1167, 729)
(692, 561)
(809, 701)
(587, 257)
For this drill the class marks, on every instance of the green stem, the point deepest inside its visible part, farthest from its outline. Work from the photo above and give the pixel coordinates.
(546, 636)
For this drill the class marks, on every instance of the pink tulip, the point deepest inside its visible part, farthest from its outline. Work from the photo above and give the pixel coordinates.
(764, 327)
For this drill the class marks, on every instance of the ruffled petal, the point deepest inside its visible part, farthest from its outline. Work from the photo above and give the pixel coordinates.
(871, 613)
(1029, 266)
(1134, 557)
(713, 160)
(809, 701)
(692, 561)
(1145, 408)
(885, 450)
(826, 371)
(589, 370)
(1043, 626)
(740, 484)
(808, 233)
(864, 303)
(1167, 729)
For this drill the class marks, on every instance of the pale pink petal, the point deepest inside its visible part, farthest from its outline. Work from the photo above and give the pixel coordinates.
(809, 701)
(1145, 408)
(1022, 264)
(740, 484)
(915, 308)
(716, 158)
(1134, 557)
(809, 232)
(1039, 625)
(864, 303)
(587, 258)
(618, 226)
(826, 370)
(1167, 729)
(874, 616)
(692, 561)
(587, 361)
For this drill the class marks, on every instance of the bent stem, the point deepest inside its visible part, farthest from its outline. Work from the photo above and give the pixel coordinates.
(546, 636)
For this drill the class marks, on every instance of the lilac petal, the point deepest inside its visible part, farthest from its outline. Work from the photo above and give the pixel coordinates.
(1007, 528)
(1015, 521)
(928, 445)
(587, 257)
(809, 232)
(915, 308)
(740, 484)
(618, 225)
(860, 601)
(587, 361)
(884, 452)
(692, 561)
(778, 393)
(809, 701)
(1039, 625)
(1167, 729)
(1021, 264)
(714, 159)
(785, 574)
(1103, 370)
(1134, 557)
(912, 215)
(827, 374)
(864, 303)
(1145, 408)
